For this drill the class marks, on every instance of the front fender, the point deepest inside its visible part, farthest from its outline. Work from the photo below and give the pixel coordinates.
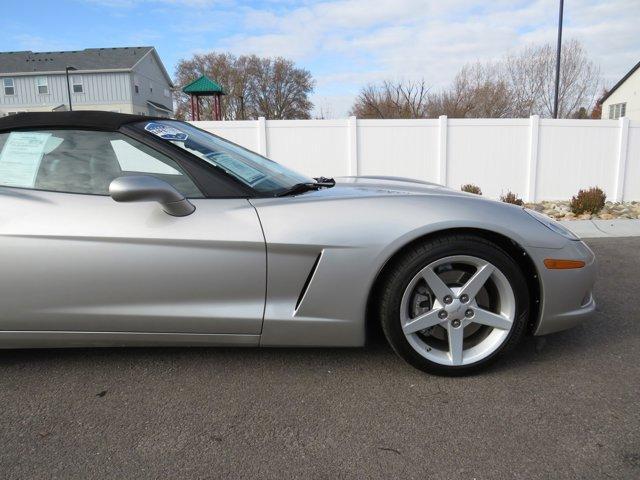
(356, 237)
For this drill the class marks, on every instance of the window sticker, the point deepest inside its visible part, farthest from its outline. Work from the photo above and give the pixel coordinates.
(166, 132)
(236, 167)
(20, 158)
(52, 144)
(132, 159)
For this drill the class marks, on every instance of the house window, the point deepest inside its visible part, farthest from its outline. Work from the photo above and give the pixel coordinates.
(9, 87)
(136, 85)
(43, 85)
(78, 86)
(617, 110)
(167, 93)
(150, 87)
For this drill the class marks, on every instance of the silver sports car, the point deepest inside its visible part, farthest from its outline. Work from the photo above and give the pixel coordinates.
(129, 230)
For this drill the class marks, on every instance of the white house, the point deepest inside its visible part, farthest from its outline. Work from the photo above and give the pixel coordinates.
(623, 100)
(125, 80)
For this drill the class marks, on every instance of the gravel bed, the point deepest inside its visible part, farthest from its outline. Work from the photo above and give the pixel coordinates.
(560, 210)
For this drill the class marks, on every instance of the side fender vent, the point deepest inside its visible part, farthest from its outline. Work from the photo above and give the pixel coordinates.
(305, 287)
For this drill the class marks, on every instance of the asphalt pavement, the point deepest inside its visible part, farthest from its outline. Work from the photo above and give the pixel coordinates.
(565, 406)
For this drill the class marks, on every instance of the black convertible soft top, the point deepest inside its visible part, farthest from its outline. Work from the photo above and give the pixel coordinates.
(107, 121)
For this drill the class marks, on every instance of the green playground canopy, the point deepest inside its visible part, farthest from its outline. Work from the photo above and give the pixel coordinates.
(203, 86)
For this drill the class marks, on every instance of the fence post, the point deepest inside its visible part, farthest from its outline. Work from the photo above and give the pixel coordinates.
(442, 150)
(352, 131)
(621, 170)
(262, 136)
(532, 164)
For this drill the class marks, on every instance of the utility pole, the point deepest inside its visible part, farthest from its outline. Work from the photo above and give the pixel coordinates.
(556, 93)
(66, 71)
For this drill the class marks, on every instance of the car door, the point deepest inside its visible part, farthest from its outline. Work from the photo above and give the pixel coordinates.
(72, 259)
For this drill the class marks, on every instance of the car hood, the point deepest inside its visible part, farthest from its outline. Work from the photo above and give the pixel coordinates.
(379, 186)
(378, 205)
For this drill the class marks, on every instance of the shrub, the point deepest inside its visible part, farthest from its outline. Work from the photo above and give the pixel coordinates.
(512, 198)
(588, 201)
(471, 188)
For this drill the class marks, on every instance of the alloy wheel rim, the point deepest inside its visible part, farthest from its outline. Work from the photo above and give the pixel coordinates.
(468, 311)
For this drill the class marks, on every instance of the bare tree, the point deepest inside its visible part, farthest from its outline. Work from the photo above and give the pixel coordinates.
(531, 75)
(518, 85)
(403, 99)
(525, 76)
(278, 90)
(478, 91)
(254, 86)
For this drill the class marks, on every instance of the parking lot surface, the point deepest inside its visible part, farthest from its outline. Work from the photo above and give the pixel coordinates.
(566, 406)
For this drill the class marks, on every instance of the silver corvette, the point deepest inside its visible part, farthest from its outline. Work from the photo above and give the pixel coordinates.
(127, 230)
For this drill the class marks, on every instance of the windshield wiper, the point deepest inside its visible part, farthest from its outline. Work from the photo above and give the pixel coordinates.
(320, 182)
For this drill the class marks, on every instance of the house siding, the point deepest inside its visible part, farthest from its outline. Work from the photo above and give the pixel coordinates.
(99, 89)
(148, 72)
(629, 93)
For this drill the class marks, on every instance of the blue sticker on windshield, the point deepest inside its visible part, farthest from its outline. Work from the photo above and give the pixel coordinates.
(236, 167)
(166, 132)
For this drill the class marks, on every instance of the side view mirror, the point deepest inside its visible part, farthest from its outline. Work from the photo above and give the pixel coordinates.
(145, 188)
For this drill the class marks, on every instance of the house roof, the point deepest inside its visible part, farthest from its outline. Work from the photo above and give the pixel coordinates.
(203, 85)
(622, 80)
(90, 59)
(159, 106)
(107, 121)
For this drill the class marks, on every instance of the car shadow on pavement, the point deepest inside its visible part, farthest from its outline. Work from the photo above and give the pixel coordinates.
(377, 355)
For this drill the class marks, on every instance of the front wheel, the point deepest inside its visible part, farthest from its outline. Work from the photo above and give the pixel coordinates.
(453, 304)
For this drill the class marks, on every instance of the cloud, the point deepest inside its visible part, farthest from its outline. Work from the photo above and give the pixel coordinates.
(37, 43)
(349, 43)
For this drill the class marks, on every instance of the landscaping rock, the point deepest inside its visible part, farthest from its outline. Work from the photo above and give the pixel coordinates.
(561, 210)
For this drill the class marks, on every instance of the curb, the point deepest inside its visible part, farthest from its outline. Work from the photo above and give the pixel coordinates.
(603, 228)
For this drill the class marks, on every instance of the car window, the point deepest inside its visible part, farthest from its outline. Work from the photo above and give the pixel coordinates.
(78, 161)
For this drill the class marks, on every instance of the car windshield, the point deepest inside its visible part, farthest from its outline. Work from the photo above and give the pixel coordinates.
(255, 171)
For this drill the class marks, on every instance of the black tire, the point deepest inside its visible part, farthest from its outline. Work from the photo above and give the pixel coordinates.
(402, 270)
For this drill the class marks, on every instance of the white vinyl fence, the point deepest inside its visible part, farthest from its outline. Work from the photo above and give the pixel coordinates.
(539, 159)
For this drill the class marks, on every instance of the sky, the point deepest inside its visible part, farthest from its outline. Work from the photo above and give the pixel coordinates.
(346, 44)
